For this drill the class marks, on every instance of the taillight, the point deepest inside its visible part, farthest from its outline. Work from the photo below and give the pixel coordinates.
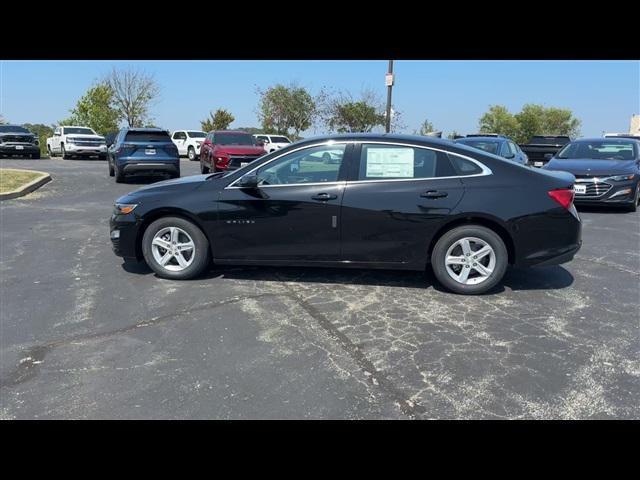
(222, 162)
(564, 196)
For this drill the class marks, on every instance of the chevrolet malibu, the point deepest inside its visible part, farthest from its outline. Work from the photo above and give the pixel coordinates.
(607, 171)
(384, 201)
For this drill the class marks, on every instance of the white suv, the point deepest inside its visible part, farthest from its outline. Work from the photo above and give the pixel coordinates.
(188, 142)
(272, 142)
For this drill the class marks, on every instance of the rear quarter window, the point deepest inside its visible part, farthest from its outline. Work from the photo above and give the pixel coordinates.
(147, 137)
(464, 166)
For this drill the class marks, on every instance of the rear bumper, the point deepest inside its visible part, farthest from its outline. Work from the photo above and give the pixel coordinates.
(143, 168)
(556, 256)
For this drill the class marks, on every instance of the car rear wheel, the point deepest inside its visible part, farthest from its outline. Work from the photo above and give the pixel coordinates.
(191, 154)
(470, 259)
(51, 155)
(35, 155)
(203, 168)
(175, 248)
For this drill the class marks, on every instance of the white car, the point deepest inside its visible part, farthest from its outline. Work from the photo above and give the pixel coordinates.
(272, 142)
(188, 142)
(71, 141)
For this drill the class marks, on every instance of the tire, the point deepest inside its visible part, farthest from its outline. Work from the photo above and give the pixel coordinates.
(195, 259)
(191, 154)
(102, 157)
(111, 171)
(119, 175)
(203, 168)
(35, 155)
(634, 206)
(63, 152)
(51, 155)
(478, 237)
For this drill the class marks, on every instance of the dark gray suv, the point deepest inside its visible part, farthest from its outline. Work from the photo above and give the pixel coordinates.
(143, 151)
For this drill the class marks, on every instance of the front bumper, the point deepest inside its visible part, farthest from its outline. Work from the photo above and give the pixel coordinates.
(619, 193)
(19, 149)
(123, 232)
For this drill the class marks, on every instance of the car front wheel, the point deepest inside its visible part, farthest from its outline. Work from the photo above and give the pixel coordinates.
(175, 248)
(191, 154)
(469, 259)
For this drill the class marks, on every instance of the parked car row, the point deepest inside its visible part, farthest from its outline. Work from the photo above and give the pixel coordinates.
(17, 140)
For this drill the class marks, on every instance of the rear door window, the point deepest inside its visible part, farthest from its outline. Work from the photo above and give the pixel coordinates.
(464, 166)
(396, 162)
(137, 136)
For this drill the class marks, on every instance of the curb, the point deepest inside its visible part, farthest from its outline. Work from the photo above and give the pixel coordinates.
(29, 187)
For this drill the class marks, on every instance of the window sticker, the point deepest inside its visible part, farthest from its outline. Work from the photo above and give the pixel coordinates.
(389, 162)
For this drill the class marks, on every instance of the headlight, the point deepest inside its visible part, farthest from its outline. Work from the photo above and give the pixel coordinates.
(124, 208)
(71, 140)
(622, 178)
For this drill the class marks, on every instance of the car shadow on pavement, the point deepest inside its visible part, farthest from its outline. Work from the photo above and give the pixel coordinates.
(541, 278)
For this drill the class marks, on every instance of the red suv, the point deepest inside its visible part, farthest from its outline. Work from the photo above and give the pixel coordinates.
(228, 150)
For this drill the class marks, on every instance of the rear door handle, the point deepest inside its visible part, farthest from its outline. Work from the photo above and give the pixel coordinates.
(323, 197)
(434, 194)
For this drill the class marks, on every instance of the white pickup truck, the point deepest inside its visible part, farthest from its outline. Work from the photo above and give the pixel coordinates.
(272, 143)
(188, 142)
(69, 141)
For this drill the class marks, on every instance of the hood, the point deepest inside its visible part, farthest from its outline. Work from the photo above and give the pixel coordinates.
(172, 187)
(240, 149)
(590, 166)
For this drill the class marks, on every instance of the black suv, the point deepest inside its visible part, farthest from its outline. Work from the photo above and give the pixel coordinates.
(17, 140)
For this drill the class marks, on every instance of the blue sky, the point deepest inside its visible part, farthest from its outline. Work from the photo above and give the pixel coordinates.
(451, 94)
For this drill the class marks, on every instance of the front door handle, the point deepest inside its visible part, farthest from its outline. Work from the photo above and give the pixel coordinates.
(323, 197)
(434, 194)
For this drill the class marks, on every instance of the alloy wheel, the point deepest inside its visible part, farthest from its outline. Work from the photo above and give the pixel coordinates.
(173, 249)
(470, 261)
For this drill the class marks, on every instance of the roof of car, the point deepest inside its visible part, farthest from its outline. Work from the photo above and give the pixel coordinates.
(605, 139)
(229, 131)
(485, 139)
(382, 137)
(148, 129)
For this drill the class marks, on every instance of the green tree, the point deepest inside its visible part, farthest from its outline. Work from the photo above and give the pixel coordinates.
(134, 92)
(342, 113)
(96, 110)
(43, 132)
(499, 120)
(426, 127)
(540, 120)
(286, 110)
(453, 135)
(220, 120)
(251, 130)
(531, 120)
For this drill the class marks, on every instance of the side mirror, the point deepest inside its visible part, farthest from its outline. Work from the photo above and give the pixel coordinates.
(248, 181)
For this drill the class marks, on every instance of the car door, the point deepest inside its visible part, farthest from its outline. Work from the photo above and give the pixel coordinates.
(293, 214)
(396, 198)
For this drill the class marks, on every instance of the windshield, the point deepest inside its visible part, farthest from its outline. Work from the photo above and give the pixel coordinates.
(280, 139)
(79, 130)
(233, 139)
(13, 128)
(599, 150)
(487, 146)
(197, 134)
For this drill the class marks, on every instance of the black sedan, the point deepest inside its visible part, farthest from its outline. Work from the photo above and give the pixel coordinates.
(389, 201)
(607, 170)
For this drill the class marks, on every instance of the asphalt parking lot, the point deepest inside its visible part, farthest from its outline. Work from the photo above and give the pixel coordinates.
(84, 335)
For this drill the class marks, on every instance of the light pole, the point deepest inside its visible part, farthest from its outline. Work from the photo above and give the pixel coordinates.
(389, 82)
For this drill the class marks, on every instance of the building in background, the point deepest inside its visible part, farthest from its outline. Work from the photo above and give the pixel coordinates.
(634, 126)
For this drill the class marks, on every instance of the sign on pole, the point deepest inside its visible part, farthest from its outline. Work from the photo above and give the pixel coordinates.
(388, 79)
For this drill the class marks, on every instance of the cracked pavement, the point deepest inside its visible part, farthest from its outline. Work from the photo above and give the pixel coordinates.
(83, 335)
